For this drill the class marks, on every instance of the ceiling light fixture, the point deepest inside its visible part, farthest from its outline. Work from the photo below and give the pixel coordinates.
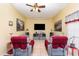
(36, 7)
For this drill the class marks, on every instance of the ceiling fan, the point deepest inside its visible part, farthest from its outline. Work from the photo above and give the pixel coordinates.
(36, 7)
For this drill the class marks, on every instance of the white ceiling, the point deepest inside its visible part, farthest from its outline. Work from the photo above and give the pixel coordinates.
(49, 11)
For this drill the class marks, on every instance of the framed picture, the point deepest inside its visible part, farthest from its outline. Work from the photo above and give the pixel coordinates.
(58, 26)
(10, 23)
(19, 25)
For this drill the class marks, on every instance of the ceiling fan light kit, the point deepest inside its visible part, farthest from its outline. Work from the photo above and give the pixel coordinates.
(36, 7)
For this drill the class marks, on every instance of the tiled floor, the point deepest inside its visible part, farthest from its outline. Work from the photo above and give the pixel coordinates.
(39, 48)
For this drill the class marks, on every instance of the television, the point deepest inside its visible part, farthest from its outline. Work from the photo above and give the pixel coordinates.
(39, 26)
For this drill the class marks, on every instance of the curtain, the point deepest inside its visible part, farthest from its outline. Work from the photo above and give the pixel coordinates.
(72, 22)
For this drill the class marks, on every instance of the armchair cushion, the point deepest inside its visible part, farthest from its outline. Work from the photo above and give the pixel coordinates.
(23, 42)
(19, 42)
(59, 41)
(57, 52)
(15, 41)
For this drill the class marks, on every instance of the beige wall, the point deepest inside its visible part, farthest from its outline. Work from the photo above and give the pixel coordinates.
(30, 25)
(70, 8)
(7, 13)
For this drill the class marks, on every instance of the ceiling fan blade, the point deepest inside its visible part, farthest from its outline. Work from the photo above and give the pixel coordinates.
(31, 10)
(29, 5)
(43, 6)
(39, 10)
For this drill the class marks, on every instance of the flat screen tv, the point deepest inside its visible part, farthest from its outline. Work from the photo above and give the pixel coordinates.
(39, 26)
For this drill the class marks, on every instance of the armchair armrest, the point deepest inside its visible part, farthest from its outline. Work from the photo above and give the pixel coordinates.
(29, 50)
(50, 49)
(31, 43)
(47, 43)
(30, 47)
(66, 50)
(9, 48)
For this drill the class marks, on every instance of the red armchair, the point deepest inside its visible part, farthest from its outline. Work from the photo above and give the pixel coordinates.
(20, 46)
(57, 47)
